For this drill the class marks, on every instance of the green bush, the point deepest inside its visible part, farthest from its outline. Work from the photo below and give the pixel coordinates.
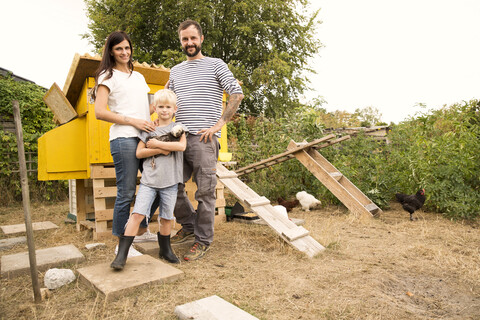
(36, 120)
(438, 151)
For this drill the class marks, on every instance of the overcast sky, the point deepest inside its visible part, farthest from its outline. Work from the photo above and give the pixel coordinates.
(382, 53)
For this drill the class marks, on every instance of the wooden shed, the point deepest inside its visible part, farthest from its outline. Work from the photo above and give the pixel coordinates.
(79, 148)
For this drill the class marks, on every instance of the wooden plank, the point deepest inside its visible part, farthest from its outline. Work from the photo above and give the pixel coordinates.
(295, 233)
(81, 202)
(332, 142)
(58, 103)
(103, 172)
(255, 202)
(227, 175)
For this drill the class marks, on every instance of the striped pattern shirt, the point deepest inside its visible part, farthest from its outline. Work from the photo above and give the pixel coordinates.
(199, 86)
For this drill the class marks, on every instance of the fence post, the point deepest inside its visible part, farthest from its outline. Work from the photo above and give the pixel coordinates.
(26, 201)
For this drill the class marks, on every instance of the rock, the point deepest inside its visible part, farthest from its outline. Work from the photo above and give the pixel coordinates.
(55, 278)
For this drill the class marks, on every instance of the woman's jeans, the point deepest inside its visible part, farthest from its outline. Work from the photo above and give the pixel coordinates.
(123, 151)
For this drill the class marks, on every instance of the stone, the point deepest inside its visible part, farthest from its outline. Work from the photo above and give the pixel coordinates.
(56, 278)
(138, 272)
(19, 263)
(150, 248)
(20, 228)
(11, 242)
(211, 308)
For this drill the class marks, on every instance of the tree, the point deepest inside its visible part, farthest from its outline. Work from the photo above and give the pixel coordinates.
(267, 43)
(368, 116)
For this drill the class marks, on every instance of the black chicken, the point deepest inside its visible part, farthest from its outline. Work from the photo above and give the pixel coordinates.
(413, 202)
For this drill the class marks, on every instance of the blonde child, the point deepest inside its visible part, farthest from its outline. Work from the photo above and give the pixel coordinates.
(162, 171)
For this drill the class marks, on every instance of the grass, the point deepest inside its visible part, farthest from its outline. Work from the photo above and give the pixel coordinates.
(385, 268)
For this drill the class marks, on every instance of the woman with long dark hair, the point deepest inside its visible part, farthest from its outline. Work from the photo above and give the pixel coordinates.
(126, 93)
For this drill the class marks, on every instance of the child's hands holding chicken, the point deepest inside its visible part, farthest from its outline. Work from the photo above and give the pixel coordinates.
(155, 144)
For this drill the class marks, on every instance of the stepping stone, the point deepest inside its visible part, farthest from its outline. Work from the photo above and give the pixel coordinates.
(150, 248)
(20, 228)
(139, 271)
(211, 308)
(19, 263)
(11, 242)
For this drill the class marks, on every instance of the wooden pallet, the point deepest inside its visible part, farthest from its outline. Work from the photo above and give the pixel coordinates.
(96, 197)
(354, 199)
(296, 236)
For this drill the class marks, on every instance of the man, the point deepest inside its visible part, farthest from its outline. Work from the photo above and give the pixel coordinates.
(199, 83)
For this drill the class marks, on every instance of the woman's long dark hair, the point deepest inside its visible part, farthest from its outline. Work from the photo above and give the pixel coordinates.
(108, 61)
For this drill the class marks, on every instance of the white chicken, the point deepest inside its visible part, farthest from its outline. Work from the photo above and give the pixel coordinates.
(307, 201)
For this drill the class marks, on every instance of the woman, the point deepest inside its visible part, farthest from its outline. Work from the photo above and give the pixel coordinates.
(126, 93)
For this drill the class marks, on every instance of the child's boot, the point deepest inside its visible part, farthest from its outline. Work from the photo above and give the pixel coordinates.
(124, 243)
(166, 251)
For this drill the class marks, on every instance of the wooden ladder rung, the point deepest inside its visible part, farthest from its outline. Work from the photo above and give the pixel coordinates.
(295, 233)
(336, 175)
(260, 201)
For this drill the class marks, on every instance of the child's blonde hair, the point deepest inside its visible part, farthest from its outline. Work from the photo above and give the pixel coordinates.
(164, 95)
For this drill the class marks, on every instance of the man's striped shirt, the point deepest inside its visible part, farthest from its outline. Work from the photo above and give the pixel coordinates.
(199, 86)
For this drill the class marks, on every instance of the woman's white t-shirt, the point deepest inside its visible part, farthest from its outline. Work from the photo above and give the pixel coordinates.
(129, 97)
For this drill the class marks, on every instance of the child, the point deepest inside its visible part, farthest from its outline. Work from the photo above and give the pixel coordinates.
(161, 174)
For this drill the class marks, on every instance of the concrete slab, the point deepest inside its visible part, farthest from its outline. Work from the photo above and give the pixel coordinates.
(211, 308)
(19, 263)
(150, 248)
(20, 228)
(11, 242)
(139, 271)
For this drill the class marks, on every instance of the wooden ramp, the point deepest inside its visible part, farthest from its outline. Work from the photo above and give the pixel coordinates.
(296, 236)
(354, 199)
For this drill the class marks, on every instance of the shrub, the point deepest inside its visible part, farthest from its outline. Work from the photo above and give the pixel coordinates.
(437, 151)
(36, 120)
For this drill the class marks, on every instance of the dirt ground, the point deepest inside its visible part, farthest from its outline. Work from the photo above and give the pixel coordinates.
(385, 268)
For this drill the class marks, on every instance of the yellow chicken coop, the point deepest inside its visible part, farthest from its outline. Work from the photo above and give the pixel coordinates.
(78, 149)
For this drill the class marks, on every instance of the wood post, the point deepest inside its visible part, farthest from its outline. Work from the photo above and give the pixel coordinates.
(26, 201)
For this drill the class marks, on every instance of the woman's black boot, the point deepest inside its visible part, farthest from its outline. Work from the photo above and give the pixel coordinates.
(124, 243)
(166, 251)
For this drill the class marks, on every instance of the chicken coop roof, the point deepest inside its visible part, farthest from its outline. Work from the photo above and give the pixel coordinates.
(84, 66)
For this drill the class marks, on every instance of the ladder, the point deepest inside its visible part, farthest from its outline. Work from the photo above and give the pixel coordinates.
(354, 199)
(297, 236)
(290, 154)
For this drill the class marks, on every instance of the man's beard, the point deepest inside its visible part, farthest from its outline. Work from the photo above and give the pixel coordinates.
(197, 50)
